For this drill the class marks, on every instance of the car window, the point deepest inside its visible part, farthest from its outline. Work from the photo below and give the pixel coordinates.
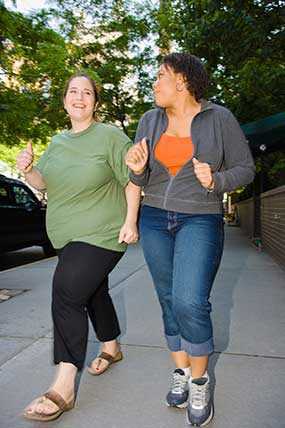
(22, 197)
(5, 197)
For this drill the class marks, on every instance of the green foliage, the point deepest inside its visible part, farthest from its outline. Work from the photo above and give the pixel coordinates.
(106, 37)
(33, 68)
(242, 45)
(8, 154)
(272, 166)
(102, 37)
(120, 43)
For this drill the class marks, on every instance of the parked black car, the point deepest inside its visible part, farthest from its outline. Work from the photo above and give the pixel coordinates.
(22, 217)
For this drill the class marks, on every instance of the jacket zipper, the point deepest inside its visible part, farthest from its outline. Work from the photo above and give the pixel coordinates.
(167, 191)
(171, 178)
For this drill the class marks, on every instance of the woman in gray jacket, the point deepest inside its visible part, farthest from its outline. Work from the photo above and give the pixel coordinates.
(188, 152)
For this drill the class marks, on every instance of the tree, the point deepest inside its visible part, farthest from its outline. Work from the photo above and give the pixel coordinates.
(242, 46)
(121, 42)
(103, 37)
(163, 17)
(34, 64)
(109, 39)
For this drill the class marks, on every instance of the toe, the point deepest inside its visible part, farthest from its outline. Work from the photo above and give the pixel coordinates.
(46, 407)
(41, 406)
(31, 407)
(99, 365)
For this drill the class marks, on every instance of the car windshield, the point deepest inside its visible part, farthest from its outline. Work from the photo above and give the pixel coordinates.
(22, 197)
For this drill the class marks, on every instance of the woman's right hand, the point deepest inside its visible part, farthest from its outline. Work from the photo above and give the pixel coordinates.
(25, 159)
(137, 156)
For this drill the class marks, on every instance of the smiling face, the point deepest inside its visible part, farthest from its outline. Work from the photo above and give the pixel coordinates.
(165, 87)
(80, 99)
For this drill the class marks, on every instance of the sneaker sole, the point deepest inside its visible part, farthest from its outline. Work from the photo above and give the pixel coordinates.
(179, 406)
(205, 422)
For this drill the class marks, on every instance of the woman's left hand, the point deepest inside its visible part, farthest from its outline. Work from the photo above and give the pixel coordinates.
(203, 173)
(128, 233)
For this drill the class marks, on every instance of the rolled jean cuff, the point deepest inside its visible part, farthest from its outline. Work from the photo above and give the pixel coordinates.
(173, 343)
(198, 349)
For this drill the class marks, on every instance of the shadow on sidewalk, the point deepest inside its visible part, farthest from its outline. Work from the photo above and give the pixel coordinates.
(233, 263)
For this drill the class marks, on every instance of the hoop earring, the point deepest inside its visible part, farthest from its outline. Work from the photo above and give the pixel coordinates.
(179, 90)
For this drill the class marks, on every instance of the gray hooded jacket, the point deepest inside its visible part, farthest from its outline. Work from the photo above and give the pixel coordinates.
(218, 140)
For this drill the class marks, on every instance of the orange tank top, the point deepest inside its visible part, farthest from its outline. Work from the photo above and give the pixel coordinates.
(173, 152)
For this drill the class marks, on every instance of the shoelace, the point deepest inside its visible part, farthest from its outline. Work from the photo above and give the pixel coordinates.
(198, 395)
(178, 383)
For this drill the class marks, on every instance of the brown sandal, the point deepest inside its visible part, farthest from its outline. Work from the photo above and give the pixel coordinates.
(107, 357)
(55, 398)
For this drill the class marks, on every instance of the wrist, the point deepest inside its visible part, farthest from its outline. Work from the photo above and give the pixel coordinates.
(139, 172)
(211, 186)
(130, 221)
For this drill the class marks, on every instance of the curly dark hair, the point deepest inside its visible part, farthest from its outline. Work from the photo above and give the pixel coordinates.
(191, 69)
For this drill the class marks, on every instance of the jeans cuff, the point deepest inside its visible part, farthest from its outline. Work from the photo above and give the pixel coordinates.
(198, 349)
(173, 343)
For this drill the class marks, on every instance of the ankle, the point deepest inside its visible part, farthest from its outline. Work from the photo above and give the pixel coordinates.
(64, 387)
(65, 376)
(205, 374)
(113, 346)
(186, 370)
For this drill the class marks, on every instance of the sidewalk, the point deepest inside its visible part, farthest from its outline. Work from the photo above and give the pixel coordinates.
(248, 367)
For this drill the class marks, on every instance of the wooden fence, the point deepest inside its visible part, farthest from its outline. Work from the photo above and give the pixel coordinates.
(271, 219)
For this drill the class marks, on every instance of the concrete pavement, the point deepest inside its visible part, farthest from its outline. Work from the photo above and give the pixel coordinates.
(248, 367)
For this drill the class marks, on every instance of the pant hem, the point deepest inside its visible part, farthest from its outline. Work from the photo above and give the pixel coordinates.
(198, 349)
(177, 343)
(173, 342)
(108, 338)
(79, 366)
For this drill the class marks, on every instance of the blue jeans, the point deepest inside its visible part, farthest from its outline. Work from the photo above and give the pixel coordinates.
(183, 253)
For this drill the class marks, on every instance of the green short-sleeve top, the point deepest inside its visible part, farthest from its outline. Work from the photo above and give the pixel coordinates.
(85, 176)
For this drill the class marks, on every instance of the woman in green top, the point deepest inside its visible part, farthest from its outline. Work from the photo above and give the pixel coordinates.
(91, 217)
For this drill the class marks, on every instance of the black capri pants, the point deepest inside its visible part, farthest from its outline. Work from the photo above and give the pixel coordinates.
(80, 289)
